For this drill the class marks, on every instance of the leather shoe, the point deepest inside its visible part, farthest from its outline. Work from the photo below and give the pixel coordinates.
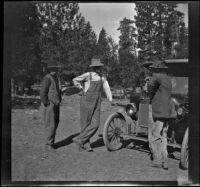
(165, 165)
(79, 145)
(156, 165)
(48, 150)
(88, 148)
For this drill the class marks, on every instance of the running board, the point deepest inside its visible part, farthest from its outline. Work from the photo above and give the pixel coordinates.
(128, 136)
(174, 145)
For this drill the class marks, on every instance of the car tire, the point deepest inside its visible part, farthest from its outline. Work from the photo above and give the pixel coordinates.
(111, 132)
(184, 151)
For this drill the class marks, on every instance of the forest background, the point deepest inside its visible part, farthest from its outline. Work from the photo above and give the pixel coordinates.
(37, 33)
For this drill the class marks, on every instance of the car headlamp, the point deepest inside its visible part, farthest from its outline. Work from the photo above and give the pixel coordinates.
(131, 110)
(179, 111)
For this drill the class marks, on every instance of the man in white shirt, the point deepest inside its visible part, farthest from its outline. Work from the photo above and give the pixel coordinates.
(92, 83)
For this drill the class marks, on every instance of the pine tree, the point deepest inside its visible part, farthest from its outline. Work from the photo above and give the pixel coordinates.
(113, 65)
(107, 51)
(130, 70)
(144, 23)
(104, 50)
(158, 25)
(22, 33)
(66, 37)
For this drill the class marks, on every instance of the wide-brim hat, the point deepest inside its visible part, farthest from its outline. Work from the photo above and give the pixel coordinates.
(53, 64)
(147, 78)
(158, 65)
(95, 62)
(147, 64)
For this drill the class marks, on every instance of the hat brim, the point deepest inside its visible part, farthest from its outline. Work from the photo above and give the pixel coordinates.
(100, 65)
(158, 67)
(54, 66)
(147, 65)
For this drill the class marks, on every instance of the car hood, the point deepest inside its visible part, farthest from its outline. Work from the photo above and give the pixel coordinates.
(180, 97)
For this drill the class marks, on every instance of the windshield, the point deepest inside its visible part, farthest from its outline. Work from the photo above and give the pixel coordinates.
(180, 85)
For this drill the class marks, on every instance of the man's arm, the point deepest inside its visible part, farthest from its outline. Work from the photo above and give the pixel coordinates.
(44, 91)
(107, 90)
(152, 86)
(77, 80)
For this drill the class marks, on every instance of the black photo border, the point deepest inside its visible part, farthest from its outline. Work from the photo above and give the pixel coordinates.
(193, 102)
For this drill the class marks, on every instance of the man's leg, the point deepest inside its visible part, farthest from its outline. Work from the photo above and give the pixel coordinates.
(91, 129)
(164, 152)
(56, 119)
(156, 142)
(51, 123)
(85, 119)
(150, 127)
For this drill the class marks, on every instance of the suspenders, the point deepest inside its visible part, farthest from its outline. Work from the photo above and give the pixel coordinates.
(91, 76)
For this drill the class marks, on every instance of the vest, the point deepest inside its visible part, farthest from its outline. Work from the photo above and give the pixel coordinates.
(54, 91)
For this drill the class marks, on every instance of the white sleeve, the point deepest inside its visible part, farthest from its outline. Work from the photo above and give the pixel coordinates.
(107, 90)
(77, 80)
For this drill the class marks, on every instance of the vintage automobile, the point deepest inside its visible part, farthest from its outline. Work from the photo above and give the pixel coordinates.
(131, 120)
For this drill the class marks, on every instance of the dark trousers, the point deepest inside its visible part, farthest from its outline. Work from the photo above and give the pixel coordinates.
(51, 120)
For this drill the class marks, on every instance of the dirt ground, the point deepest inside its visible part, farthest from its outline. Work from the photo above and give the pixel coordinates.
(68, 164)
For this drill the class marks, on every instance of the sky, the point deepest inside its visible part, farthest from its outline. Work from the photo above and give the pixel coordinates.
(109, 15)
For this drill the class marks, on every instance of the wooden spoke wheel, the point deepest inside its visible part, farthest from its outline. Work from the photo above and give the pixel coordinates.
(184, 151)
(114, 127)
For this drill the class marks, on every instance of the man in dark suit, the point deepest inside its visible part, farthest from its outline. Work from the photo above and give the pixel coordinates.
(163, 109)
(50, 94)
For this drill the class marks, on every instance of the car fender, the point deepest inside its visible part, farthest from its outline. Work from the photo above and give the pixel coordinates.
(127, 118)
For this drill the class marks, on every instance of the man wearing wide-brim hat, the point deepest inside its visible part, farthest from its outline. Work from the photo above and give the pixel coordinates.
(158, 65)
(92, 83)
(163, 109)
(50, 94)
(147, 65)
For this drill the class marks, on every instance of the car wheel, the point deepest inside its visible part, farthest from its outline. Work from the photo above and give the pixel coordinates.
(184, 151)
(114, 127)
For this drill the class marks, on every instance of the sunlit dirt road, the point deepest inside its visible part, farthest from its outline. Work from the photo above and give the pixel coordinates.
(68, 164)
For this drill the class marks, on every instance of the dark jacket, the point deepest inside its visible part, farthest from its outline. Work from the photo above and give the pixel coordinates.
(160, 88)
(50, 90)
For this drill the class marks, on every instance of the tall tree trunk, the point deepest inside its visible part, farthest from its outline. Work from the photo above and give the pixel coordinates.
(161, 29)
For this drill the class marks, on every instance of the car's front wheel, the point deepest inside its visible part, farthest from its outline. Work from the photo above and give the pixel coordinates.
(114, 127)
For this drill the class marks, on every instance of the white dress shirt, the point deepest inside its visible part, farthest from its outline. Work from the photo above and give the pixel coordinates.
(83, 82)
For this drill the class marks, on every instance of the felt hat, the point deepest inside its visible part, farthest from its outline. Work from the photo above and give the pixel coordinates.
(53, 64)
(147, 64)
(158, 65)
(95, 62)
(147, 78)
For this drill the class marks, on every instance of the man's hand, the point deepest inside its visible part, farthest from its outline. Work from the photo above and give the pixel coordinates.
(112, 103)
(46, 104)
(80, 88)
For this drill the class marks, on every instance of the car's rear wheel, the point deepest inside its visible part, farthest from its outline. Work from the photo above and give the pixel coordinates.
(184, 151)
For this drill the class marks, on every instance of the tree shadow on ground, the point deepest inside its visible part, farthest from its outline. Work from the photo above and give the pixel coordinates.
(135, 145)
(144, 147)
(65, 141)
